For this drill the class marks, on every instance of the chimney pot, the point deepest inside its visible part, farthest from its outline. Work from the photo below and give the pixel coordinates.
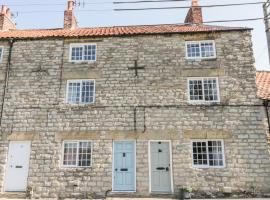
(6, 22)
(70, 21)
(4, 9)
(194, 15)
(195, 3)
(8, 13)
(70, 5)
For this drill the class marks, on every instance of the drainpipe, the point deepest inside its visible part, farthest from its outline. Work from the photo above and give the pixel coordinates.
(11, 43)
(266, 104)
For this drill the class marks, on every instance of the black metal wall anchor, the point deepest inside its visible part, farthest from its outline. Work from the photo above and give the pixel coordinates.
(136, 68)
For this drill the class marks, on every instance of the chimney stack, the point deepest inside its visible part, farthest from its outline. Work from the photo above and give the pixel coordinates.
(194, 15)
(6, 22)
(70, 21)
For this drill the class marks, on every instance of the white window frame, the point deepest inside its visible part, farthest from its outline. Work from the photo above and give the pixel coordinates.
(208, 166)
(77, 154)
(81, 45)
(1, 56)
(80, 81)
(199, 42)
(203, 101)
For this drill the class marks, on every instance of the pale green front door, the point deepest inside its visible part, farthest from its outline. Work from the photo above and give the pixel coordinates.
(124, 166)
(160, 167)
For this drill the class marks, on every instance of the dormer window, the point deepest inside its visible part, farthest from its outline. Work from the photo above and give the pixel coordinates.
(83, 52)
(1, 53)
(200, 50)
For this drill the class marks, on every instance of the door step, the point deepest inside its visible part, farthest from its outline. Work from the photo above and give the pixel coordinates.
(13, 195)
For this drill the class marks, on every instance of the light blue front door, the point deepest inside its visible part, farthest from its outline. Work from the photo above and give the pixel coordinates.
(124, 166)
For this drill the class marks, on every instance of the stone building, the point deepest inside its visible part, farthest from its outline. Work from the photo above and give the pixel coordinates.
(137, 110)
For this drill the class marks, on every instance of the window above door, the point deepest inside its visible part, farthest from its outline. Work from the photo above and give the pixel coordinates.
(200, 50)
(203, 90)
(80, 91)
(83, 52)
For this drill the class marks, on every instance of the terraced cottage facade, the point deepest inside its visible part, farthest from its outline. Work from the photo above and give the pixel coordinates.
(140, 109)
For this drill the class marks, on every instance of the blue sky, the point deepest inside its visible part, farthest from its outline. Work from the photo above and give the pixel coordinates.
(100, 13)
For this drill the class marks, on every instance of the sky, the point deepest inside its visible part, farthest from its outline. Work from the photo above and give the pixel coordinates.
(93, 13)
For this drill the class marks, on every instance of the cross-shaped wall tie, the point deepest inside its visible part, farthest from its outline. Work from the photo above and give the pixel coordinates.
(136, 68)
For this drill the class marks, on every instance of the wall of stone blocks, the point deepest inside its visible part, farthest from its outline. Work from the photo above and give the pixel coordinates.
(35, 109)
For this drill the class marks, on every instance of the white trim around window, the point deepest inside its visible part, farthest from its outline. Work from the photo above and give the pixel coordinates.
(202, 97)
(211, 160)
(91, 57)
(1, 53)
(200, 50)
(79, 99)
(74, 162)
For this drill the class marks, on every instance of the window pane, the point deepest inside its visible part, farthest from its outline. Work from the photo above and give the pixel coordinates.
(199, 153)
(215, 153)
(74, 89)
(193, 50)
(207, 49)
(70, 152)
(195, 90)
(85, 154)
(77, 53)
(90, 52)
(210, 89)
(88, 90)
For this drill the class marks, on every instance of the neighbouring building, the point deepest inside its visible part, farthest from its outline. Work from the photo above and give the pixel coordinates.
(144, 110)
(263, 92)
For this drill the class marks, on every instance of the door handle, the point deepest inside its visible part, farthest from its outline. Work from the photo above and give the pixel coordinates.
(124, 170)
(160, 168)
(18, 167)
(115, 169)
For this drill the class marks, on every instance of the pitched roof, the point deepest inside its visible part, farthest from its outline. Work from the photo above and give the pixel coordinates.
(263, 84)
(113, 31)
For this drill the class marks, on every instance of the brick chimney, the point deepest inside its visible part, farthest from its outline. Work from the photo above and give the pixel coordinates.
(6, 22)
(194, 15)
(70, 21)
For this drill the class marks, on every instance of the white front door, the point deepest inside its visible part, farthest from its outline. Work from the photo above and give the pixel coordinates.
(124, 166)
(17, 166)
(160, 158)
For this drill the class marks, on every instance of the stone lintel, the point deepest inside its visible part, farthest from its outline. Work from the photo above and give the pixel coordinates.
(23, 136)
(81, 74)
(119, 135)
(82, 40)
(202, 36)
(207, 134)
(203, 72)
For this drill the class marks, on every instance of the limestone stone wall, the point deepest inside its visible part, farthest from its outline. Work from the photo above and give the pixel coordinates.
(35, 110)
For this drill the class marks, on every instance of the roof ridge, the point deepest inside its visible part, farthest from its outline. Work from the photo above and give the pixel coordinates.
(116, 31)
(135, 25)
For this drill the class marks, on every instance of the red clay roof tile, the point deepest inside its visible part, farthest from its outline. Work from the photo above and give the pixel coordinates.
(263, 84)
(113, 31)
